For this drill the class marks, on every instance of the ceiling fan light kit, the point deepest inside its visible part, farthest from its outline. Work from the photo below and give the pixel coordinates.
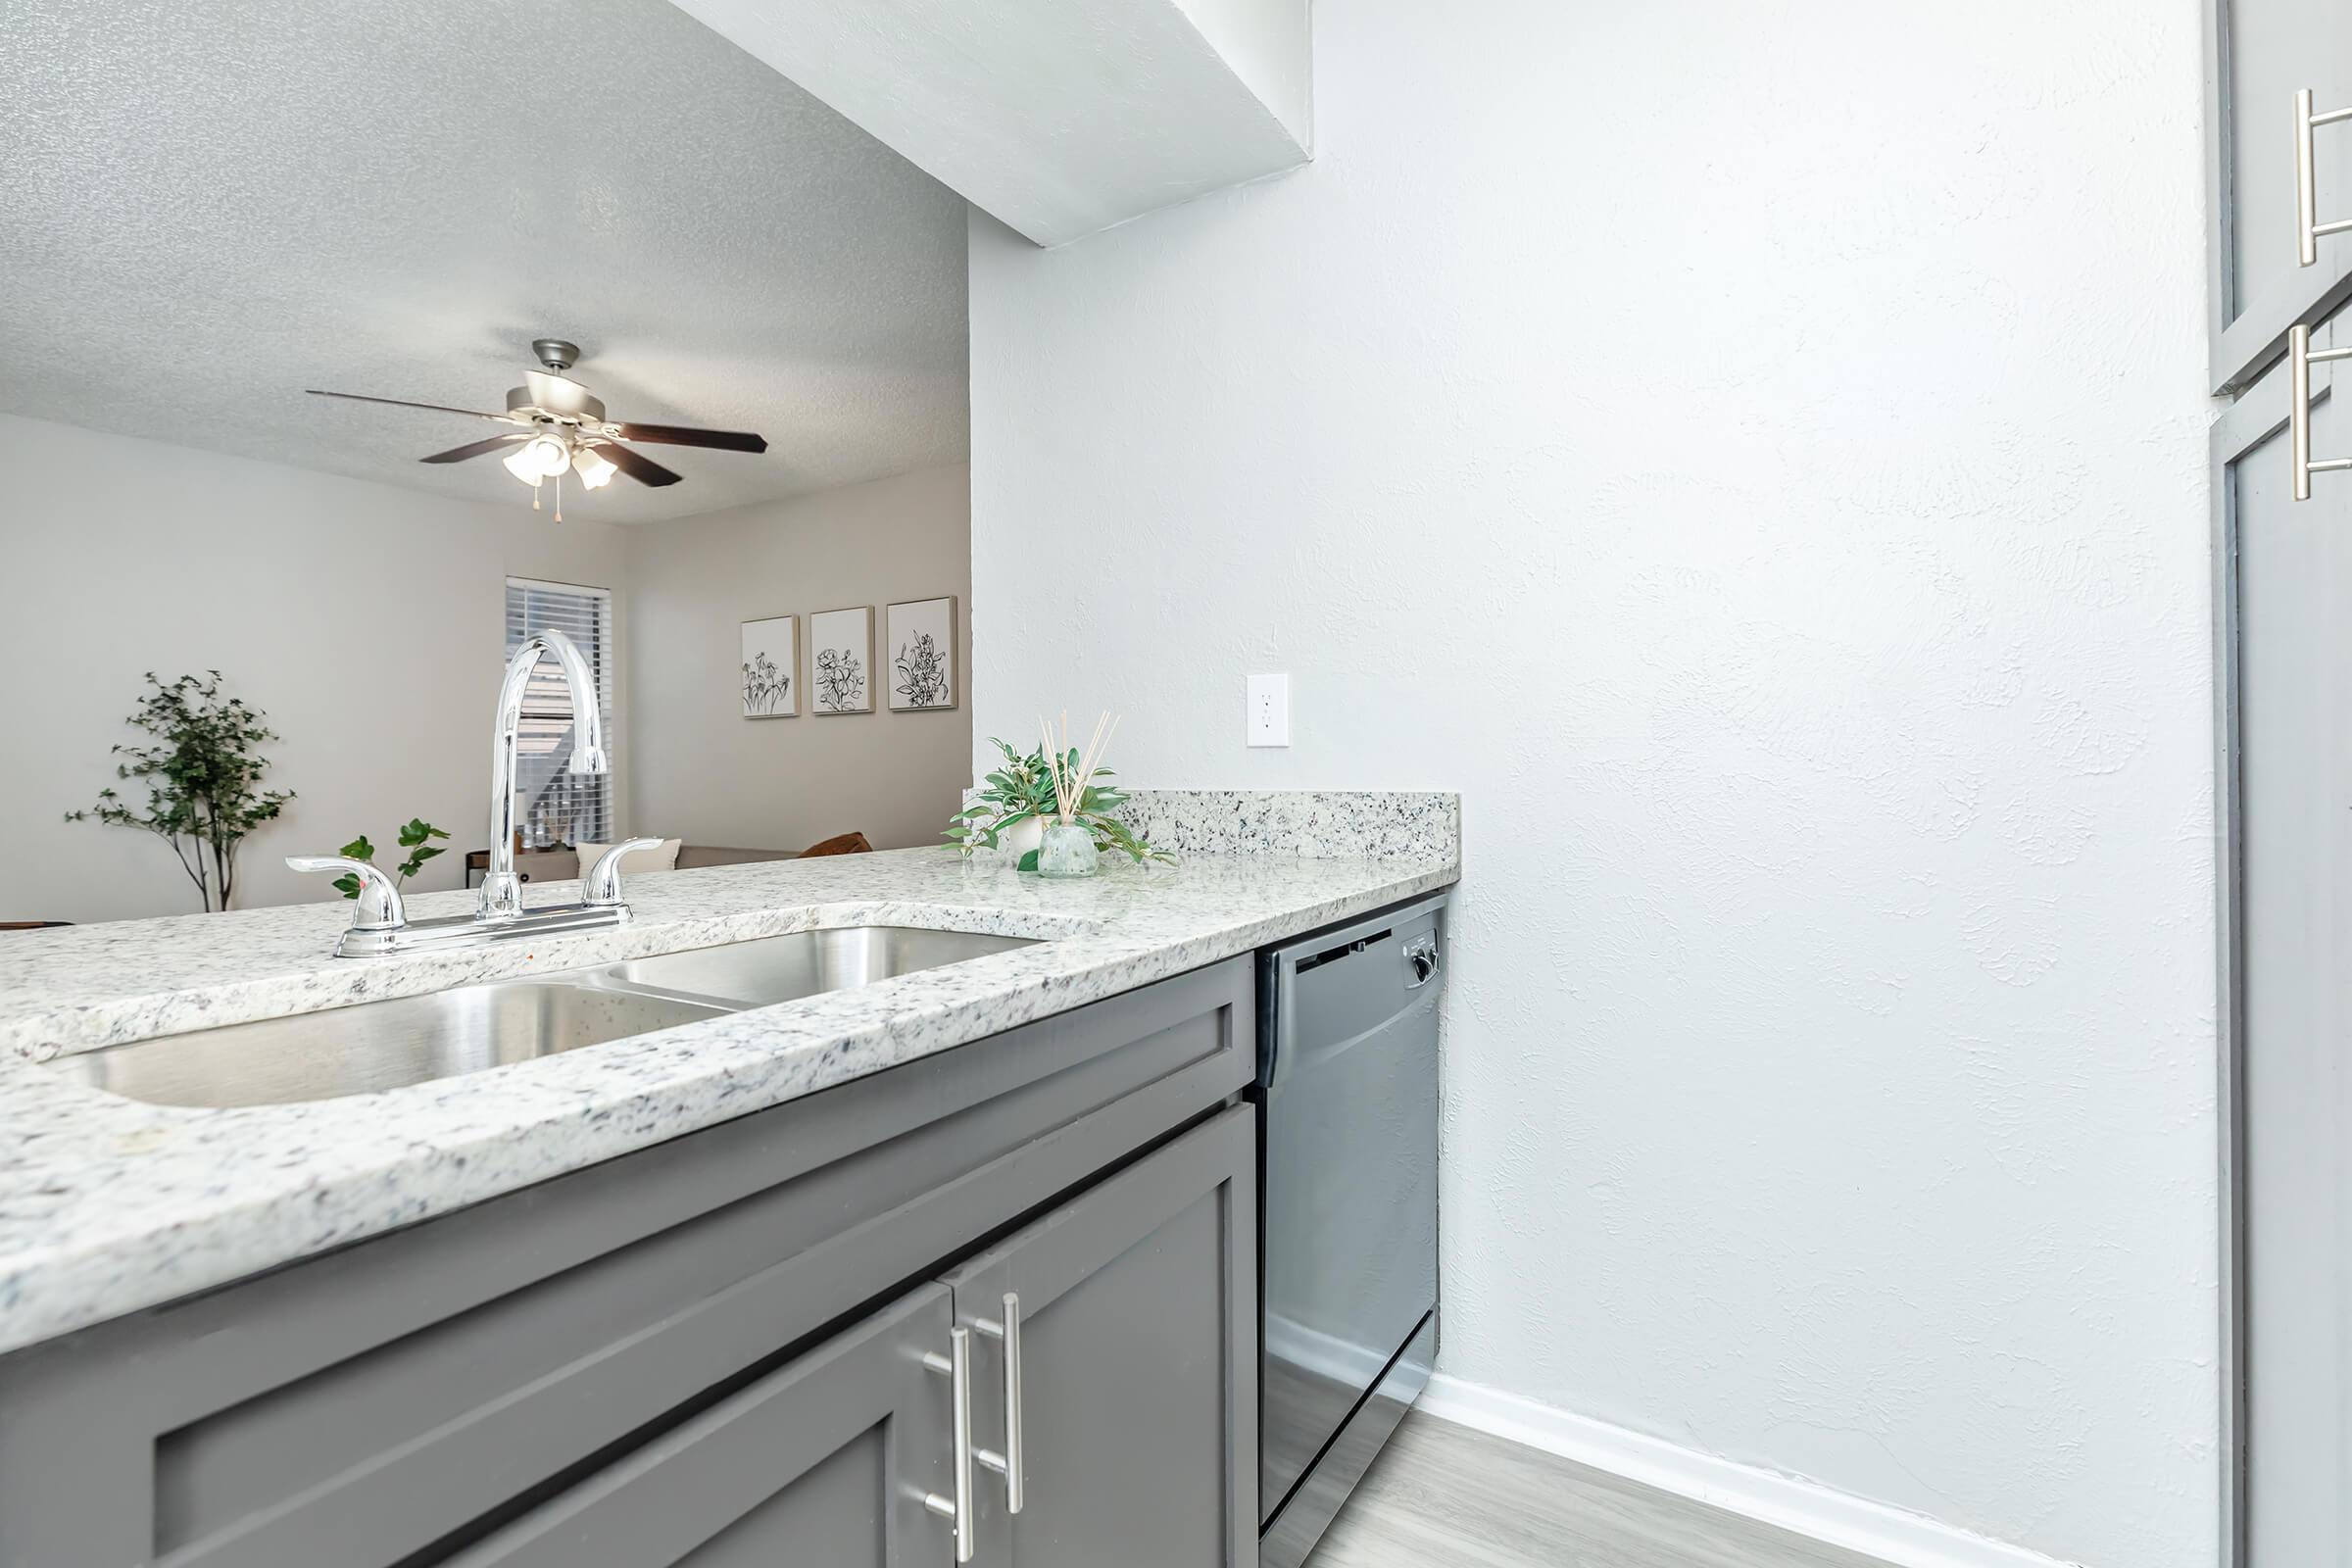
(542, 456)
(563, 426)
(594, 471)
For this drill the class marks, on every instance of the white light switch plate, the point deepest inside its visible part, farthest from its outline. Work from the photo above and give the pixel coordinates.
(1269, 710)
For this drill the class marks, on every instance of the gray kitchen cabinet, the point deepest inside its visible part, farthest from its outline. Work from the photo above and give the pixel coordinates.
(2259, 54)
(826, 1462)
(1135, 1379)
(1130, 1308)
(402, 1400)
(2285, 770)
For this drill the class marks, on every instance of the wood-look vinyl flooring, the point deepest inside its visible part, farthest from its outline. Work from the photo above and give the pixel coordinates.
(1442, 1494)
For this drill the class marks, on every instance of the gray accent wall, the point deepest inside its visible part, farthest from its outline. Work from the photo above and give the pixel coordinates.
(706, 773)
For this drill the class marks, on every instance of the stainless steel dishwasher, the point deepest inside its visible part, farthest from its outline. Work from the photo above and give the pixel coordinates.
(1347, 1208)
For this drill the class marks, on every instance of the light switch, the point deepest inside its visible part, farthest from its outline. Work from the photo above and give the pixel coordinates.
(1269, 710)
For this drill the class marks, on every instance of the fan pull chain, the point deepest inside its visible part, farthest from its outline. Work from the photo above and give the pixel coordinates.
(559, 497)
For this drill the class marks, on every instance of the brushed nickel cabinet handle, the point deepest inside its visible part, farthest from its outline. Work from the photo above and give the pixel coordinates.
(957, 1366)
(2300, 358)
(2308, 227)
(1009, 1464)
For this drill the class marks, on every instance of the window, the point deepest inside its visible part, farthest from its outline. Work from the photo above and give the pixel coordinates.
(555, 804)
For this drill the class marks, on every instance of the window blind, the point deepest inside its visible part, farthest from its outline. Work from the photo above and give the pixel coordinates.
(555, 805)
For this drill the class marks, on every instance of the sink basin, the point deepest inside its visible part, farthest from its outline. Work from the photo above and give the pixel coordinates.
(376, 1044)
(415, 1040)
(771, 969)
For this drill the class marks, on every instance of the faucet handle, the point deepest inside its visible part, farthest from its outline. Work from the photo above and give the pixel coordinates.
(600, 887)
(379, 909)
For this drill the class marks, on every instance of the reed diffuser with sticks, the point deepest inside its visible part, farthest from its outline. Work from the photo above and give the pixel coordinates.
(1053, 785)
(1068, 845)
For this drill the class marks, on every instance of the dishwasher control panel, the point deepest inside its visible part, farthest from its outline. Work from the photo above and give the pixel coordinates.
(1422, 953)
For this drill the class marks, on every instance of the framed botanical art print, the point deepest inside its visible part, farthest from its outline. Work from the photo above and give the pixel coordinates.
(771, 663)
(920, 651)
(841, 661)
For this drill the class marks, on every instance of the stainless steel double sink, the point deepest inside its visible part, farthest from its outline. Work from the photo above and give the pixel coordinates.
(413, 1039)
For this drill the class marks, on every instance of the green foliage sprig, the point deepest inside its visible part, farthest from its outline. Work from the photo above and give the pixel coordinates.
(415, 837)
(1023, 789)
(202, 776)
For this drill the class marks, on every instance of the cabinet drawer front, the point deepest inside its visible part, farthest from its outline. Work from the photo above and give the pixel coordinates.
(827, 1460)
(394, 1392)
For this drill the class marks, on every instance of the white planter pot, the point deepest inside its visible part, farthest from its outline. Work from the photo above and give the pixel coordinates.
(1022, 837)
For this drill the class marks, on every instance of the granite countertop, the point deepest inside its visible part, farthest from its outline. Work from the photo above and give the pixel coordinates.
(108, 1204)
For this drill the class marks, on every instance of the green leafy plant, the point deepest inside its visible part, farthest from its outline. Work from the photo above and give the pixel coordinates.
(415, 837)
(1021, 790)
(202, 777)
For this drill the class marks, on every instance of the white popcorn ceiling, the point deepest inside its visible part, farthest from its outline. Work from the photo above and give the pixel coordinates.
(211, 208)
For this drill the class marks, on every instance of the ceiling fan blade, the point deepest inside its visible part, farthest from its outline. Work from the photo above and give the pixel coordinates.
(680, 435)
(474, 449)
(638, 467)
(402, 402)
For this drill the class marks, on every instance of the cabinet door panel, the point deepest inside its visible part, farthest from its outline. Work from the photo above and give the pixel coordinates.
(2293, 922)
(1138, 1304)
(2265, 51)
(827, 1460)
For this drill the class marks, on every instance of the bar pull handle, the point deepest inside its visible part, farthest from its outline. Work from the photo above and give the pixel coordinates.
(2308, 228)
(2300, 358)
(957, 1366)
(1009, 1464)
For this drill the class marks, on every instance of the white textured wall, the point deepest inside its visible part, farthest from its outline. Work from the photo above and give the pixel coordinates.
(1755, 453)
(710, 775)
(369, 623)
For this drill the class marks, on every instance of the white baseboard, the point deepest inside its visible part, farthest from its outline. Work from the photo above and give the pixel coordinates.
(1903, 1539)
(1340, 1360)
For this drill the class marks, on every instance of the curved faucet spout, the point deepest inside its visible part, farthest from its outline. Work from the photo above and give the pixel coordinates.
(502, 889)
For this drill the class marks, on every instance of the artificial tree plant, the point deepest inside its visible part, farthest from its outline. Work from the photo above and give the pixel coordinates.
(202, 776)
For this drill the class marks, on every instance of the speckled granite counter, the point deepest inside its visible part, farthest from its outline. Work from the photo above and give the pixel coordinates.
(108, 1205)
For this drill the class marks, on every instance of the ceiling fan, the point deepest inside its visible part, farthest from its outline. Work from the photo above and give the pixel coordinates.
(563, 425)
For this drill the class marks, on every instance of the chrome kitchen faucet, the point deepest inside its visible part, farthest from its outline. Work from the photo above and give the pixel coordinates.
(379, 923)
